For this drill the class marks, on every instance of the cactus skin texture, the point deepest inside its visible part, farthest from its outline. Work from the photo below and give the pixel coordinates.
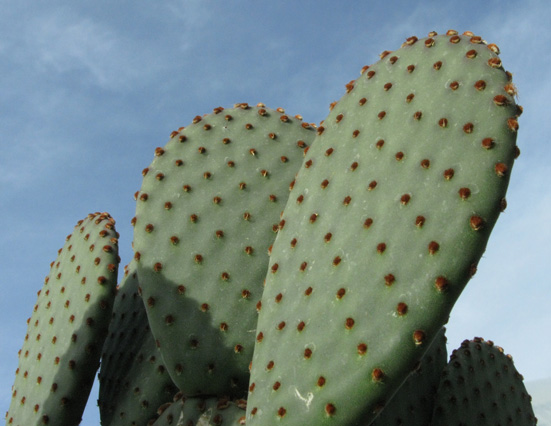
(413, 404)
(133, 379)
(479, 386)
(68, 326)
(202, 412)
(385, 225)
(206, 215)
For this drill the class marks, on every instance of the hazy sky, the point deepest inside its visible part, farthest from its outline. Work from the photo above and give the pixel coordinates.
(88, 90)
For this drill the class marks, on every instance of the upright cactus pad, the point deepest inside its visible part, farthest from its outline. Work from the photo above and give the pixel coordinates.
(66, 331)
(133, 379)
(388, 218)
(481, 386)
(207, 213)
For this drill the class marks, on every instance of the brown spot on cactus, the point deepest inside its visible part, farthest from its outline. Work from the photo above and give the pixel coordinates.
(368, 222)
(246, 216)
(433, 247)
(270, 365)
(313, 217)
(389, 279)
(404, 199)
(354, 166)
(300, 326)
(429, 42)
(324, 184)
(443, 122)
(417, 115)
(330, 410)
(468, 128)
(281, 412)
(372, 185)
(409, 97)
(419, 337)
(381, 115)
(377, 375)
(441, 283)
(488, 143)
(512, 124)
(308, 291)
(224, 276)
(381, 247)
(349, 323)
(410, 68)
(307, 353)
(476, 222)
(370, 74)
(303, 266)
(500, 169)
(362, 101)
(402, 308)
(181, 289)
(245, 294)
(274, 268)
(448, 174)
(437, 65)
(464, 193)
(494, 62)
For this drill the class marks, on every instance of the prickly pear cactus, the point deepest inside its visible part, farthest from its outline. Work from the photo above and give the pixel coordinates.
(207, 213)
(479, 386)
(413, 404)
(202, 412)
(389, 216)
(133, 379)
(66, 331)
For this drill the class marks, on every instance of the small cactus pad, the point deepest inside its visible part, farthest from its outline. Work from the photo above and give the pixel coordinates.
(388, 218)
(481, 386)
(413, 404)
(202, 412)
(133, 379)
(207, 213)
(62, 348)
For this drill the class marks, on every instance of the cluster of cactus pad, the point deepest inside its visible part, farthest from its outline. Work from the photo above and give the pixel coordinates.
(296, 274)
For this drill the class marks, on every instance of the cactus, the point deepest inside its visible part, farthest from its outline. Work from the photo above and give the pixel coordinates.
(480, 385)
(202, 412)
(302, 275)
(133, 379)
(67, 328)
(206, 214)
(385, 225)
(413, 404)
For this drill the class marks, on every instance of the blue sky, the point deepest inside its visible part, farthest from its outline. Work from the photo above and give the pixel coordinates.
(90, 89)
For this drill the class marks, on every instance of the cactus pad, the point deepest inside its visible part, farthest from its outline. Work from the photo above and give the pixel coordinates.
(388, 218)
(481, 386)
(133, 379)
(207, 213)
(66, 331)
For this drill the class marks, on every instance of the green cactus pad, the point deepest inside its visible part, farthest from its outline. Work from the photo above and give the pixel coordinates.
(388, 218)
(481, 386)
(207, 213)
(413, 404)
(202, 412)
(133, 379)
(62, 348)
